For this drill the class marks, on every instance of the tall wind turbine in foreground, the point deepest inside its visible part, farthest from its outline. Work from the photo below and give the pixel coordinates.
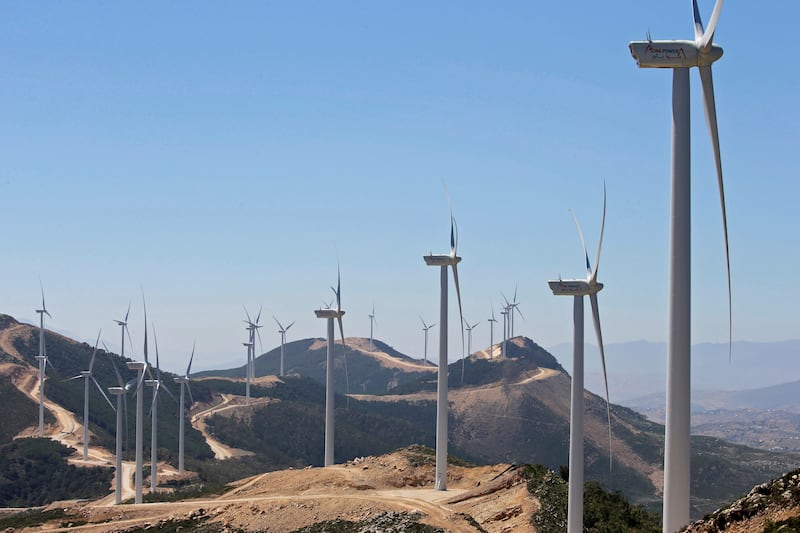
(491, 321)
(680, 56)
(425, 328)
(87, 376)
(578, 288)
(282, 330)
(330, 314)
(43, 361)
(140, 367)
(443, 261)
(184, 382)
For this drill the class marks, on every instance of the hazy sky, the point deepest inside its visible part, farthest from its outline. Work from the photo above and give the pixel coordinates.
(220, 155)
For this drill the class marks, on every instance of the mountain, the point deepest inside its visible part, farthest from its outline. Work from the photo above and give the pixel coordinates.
(638, 368)
(373, 368)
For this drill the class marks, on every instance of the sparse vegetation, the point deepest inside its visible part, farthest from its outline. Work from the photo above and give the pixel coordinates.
(385, 522)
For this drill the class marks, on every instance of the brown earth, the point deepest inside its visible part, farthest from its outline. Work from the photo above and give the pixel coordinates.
(496, 497)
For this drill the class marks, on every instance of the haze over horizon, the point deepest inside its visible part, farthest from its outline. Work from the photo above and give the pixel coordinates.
(226, 157)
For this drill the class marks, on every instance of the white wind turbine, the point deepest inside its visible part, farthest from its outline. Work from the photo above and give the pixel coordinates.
(512, 307)
(282, 330)
(504, 312)
(140, 367)
(680, 56)
(329, 315)
(123, 324)
(87, 376)
(491, 321)
(578, 288)
(469, 341)
(371, 322)
(43, 361)
(252, 328)
(184, 382)
(443, 261)
(157, 384)
(425, 328)
(120, 392)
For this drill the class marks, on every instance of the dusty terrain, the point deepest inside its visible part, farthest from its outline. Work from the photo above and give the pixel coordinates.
(495, 497)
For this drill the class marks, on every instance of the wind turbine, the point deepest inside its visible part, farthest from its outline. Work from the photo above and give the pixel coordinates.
(504, 312)
(123, 324)
(330, 314)
(491, 321)
(443, 261)
(184, 382)
(87, 376)
(252, 328)
(469, 339)
(282, 330)
(514, 305)
(140, 367)
(371, 321)
(156, 384)
(249, 345)
(425, 328)
(578, 288)
(43, 361)
(120, 392)
(680, 56)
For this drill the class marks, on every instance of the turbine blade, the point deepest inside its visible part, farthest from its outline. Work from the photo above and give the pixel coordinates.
(169, 392)
(505, 299)
(158, 366)
(424, 325)
(79, 376)
(128, 311)
(94, 352)
(191, 358)
(247, 314)
(258, 316)
(711, 121)
(599, 333)
(600, 242)
(461, 316)
(277, 322)
(515, 293)
(290, 325)
(698, 23)
(44, 307)
(708, 36)
(429, 327)
(116, 370)
(519, 312)
(344, 351)
(583, 244)
(189, 389)
(144, 306)
(453, 242)
(103, 393)
(338, 288)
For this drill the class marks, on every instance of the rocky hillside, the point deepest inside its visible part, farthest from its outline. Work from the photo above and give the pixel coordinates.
(769, 508)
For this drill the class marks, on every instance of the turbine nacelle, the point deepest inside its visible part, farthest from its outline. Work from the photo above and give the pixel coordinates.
(329, 313)
(441, 260)
(673, 54)
(574, 287)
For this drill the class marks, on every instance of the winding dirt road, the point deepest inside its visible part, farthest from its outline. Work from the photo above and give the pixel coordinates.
(229, 401)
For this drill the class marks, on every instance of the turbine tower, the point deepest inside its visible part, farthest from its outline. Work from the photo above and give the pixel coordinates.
(330, 314)
(87, 376)
(578, 288)
(249, 346)
(512, 308)
(680, 56)
(425, 328)
(491, 321)
(282, 330)
(43, 361)
(504, 312)
(443, 261)
(252, 328)
(184, 382)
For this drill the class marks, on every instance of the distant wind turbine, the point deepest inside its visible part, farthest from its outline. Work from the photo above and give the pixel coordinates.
(504, 312)
(252, 328)
(469, 337)
(282, 330)
(184, 383)
(87, 376)
(425, 328)
(330, 314)
(43, 361)
(140, 367)
(371, 322)
(491, 321)
(578, 288)
(512, 308)
(120, 391)
(157, 384)
(680, 56)
(443, 261)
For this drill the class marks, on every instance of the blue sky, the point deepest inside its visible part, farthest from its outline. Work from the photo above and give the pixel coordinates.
(220, 155)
